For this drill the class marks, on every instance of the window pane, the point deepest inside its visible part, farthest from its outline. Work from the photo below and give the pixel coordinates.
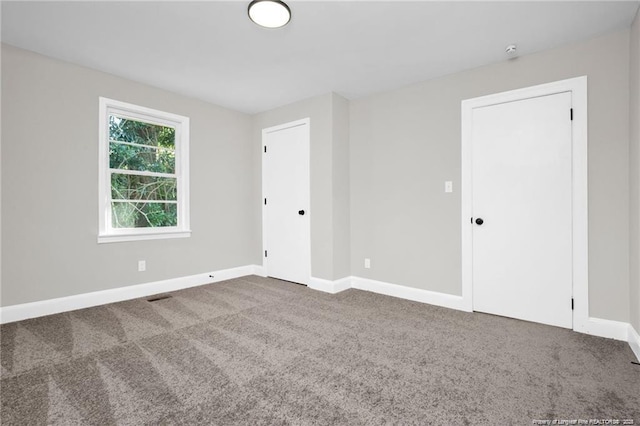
(137, 187)
(129, 157)
(125, 130)
(143, 215)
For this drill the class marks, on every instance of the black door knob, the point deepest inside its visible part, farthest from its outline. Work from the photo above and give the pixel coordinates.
(479, 221)
(301, 212)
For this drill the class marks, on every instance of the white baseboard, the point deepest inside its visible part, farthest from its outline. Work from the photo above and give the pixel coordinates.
(87, 300)
(409, 293)
(634, 341)
(402, 292)
(259, 270)
(343, 284)
(327, 286)
(616, 330)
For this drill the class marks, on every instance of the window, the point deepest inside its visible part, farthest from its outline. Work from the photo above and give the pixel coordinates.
(144, 173)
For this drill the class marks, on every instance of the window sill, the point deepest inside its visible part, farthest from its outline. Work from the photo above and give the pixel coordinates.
(118, 238)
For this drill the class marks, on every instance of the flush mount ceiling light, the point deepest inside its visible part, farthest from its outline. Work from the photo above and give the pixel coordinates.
(269, 13)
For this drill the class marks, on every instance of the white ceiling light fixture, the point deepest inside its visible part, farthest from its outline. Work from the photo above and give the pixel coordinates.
(269, 13)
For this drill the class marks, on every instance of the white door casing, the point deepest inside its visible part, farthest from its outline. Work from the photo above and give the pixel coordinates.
(569, 196)
(286, 201)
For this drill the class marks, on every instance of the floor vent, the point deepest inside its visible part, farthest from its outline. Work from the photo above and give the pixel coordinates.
(156, 298)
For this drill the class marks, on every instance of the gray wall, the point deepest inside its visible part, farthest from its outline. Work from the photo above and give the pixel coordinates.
(377, 171)
(341, 188)
(634, 165)
(329, 177)
(50, 185)
(405, 143)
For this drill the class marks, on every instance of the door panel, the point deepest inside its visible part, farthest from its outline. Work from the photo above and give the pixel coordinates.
(521, 185)
(286, 189)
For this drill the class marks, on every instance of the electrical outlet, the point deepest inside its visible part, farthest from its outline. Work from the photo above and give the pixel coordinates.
(367, 263)
(142, 265)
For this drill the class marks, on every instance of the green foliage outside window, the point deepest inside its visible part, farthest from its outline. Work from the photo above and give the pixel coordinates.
(142, 200)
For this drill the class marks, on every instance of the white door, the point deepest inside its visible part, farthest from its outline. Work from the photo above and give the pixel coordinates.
(286, 224)
(522, 209)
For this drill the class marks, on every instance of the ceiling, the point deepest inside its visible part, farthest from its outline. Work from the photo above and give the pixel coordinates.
(212, 51)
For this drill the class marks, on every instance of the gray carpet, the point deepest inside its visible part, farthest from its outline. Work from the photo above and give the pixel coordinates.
(261, 351)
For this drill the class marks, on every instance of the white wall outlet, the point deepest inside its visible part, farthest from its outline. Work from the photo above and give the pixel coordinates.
(367, 263)
(142, 265)
(448, 186)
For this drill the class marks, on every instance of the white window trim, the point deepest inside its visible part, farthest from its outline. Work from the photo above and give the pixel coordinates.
(108, 234)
